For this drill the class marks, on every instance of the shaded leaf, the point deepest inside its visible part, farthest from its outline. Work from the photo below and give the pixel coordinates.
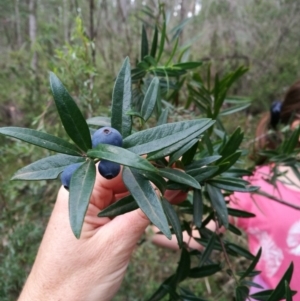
(179, 176)
(240, 213)
(252, 265)
(144, 43)
(175, 156)
(183, 269)
(204, 271)
(208, 249)
(218, 203)
(174, 221)
(122, 206)
(81, 187)
(154, 42)
(197, 208)
(241, 293)
(188, 65)
(70, 115)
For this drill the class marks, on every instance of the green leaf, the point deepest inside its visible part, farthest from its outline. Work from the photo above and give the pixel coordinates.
(163, 117)
(99, 121)
(47, 168)
(150, 99)
(234, 109)
(229, 185)
(174, 221)
(288, 292)
(183, 269)
(154, 42)
(179, 177)
(241, 293)
(232, 144)
(218, 203)
(239, 250)
(121, 156)
(188, 155)
(197, 207)
(41, 139)
(70, 115)
(162, 38)
(188, 65)
(204, 173)
(209, 248)
(240, 213)
(121, 102)
(122, 206)
(155, 178)
(175, 156)
(205, 271)
(162, 290)
(144, 44)
(162, 136)
(173, 52)
(81, 187)
(200, 163)
(146, 198)
(252, 265)
(234, 230)
(279, 291)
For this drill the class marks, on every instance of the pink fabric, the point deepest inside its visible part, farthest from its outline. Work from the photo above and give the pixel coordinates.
(276, 228)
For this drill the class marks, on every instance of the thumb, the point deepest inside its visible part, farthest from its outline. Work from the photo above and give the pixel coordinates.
(128, 227)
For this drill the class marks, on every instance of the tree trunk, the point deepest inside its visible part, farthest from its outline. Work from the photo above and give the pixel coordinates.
(18, 24)
(32, 32)
(92, 31)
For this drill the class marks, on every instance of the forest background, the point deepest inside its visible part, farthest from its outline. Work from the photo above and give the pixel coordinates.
(84, 43)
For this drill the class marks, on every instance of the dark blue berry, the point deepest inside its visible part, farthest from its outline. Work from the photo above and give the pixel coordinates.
(66, 175)
(108, 169)
(107, 135)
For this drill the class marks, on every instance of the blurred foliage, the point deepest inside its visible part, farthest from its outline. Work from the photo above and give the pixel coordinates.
(223, 35)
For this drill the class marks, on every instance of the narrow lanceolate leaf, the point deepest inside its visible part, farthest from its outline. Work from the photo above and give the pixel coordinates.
(179, 176)
(41, 139)
(218, 203)
(47, 168)
(209, 248)
(174, 221)
(122, 206)
(145, 196)
(144, 44)
(70, 115)
(186, 148)
(197, 208)
(162, 136)
(183, 269)
(252, 265)
(188, 65)
(205, 271)
(81, 187)
(121, 102)
(121, 156)
(154, 42)
(150, 99)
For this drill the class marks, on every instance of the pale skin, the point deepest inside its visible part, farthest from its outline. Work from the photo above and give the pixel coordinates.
(90, 268)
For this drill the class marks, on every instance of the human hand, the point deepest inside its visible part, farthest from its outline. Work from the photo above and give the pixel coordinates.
(91, 268)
